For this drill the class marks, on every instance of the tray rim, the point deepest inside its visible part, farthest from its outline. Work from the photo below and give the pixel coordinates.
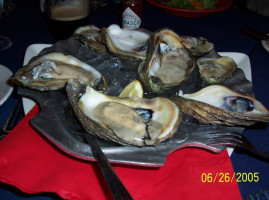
(32, 50)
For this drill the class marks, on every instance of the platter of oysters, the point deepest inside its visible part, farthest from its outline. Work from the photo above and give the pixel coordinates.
(187, 87)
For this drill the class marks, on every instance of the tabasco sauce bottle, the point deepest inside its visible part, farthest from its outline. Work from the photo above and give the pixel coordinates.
(132, 13)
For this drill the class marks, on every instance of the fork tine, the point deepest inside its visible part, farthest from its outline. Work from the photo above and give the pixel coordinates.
(223, 141)
(234, 135)
(227, 138)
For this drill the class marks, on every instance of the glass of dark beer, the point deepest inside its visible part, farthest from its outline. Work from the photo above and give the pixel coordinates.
(64, 16)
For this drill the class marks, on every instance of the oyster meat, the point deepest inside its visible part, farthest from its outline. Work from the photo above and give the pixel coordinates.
(131, 44)
(90, 36)
(52, 71)
(85, 29)
(214, 69)
(218, 104)
(198, 46)
(127, 121)
(168, 62)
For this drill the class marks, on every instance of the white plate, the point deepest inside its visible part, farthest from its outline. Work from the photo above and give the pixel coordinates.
(265, 44)
(241, 59)
(5, 88)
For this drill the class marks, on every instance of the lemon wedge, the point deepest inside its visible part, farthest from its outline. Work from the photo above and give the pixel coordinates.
(133, 89)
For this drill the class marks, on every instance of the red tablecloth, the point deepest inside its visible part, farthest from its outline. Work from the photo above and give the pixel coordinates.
(30, 163)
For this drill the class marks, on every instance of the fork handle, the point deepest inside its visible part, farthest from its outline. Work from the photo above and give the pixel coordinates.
(117, 188)
(251, 148)
(256, 34)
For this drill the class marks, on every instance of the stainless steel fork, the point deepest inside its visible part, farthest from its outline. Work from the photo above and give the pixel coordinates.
(214, 139)
(233, 139)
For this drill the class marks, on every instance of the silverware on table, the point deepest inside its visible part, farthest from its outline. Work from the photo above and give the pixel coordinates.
(234, 139)
(214, 140)
(118, 190)
(13, 119)
(255, 34)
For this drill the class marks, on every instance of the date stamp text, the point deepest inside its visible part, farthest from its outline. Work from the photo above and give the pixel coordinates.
(230, 177)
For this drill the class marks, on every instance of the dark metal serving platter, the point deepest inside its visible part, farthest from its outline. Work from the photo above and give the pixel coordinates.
(55, 109)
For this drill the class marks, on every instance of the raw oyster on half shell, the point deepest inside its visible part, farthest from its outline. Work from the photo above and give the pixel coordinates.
(218, 104)
(86, 28)
(125, 43)
(214, 69)
(52, 71)
(127, 121)
(198, 46)
(90, 36)
(168, 62)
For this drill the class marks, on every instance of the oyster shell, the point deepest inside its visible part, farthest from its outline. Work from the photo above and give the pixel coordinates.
(214, 69)
(131, 44)
(127, 121)
(52, 71)
(86, 28)
(217, 104)
(168, 62)
(90, 36)
(198, 46)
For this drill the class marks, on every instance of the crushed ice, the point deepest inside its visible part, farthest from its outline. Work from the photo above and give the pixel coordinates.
(43, 70)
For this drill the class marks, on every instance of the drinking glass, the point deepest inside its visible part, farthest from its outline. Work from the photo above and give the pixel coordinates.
(64, 16)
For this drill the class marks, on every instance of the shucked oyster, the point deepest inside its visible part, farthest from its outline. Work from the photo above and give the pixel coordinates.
(220, 105)
(52, 71)
(90, 36)
(214, 68)
(125, 43)
(131, 43)
(127, 121)
(198, 46)
(168, 62)
(86, 28)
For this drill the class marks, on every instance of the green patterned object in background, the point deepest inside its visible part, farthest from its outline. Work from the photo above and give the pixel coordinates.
(192, 4)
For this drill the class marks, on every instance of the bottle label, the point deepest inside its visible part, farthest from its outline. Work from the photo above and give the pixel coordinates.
(130, 20)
